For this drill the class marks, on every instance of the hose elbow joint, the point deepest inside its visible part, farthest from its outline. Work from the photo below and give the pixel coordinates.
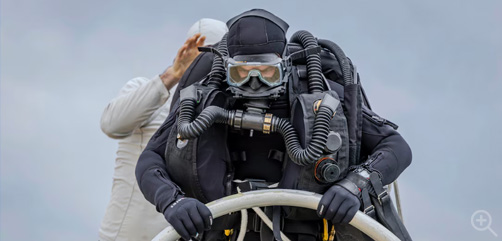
(330, 102)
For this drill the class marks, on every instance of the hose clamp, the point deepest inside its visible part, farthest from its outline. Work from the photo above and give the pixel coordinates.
(267, 123)
(238, 119)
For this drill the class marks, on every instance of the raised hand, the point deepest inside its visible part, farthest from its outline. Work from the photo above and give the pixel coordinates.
(184, 58)
(186, 54)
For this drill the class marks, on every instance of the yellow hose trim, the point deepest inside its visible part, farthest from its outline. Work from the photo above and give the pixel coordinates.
(325, 234)
(229, 232)
(332, 233)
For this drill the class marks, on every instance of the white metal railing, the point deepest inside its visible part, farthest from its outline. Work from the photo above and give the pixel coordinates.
(282, 197)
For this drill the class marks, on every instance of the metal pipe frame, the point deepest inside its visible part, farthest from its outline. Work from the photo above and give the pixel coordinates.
(281, 197)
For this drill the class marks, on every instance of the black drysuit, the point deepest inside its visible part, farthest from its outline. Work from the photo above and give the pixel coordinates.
(379, 140)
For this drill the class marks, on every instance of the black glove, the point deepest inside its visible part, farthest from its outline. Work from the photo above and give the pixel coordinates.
(338, 205)
(189, 217)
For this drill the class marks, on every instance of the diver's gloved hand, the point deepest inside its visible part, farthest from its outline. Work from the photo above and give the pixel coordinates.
(338, 205)
(189, 217)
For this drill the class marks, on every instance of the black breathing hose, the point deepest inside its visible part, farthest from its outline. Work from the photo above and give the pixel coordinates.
(341, 58)
(315, 148)
(218, 72)
(307, 40)
(188, 129)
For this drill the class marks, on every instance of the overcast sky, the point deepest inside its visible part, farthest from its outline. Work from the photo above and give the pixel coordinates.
(433, 67)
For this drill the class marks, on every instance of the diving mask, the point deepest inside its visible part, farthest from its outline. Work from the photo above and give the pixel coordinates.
(268, 68)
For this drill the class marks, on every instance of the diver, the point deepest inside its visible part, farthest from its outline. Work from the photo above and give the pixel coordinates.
(258, 112)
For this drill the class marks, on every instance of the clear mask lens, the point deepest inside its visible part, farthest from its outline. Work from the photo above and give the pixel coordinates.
(269, 74)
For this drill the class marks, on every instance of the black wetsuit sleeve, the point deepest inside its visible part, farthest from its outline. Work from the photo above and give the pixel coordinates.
(387, 151)
(151, 171)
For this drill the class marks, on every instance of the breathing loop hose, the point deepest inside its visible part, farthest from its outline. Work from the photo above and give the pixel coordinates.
(315, 148)
(341, 58)
(189, 128)
(218, 72)
(314, 68)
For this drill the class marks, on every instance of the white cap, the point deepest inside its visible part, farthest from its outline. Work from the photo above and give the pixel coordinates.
(211, 28)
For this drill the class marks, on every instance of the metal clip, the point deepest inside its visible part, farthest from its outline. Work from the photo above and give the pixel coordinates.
(369, 209)
(382, 196)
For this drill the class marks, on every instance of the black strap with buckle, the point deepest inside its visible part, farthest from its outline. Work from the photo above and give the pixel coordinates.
(368, 208)
(381, 194)
(385, 210)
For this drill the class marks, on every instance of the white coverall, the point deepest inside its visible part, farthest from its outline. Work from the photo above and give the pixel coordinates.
(133, 117)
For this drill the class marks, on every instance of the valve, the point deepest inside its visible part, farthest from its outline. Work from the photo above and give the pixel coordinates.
(326, 170)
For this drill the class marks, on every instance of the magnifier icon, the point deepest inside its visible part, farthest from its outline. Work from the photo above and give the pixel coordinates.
(481, 220)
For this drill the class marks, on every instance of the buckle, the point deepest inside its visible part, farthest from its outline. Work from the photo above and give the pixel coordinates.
(382, 195)
(251, 184)
(369, 209)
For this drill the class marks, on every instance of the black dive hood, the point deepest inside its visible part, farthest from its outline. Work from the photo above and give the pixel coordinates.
(256, 31)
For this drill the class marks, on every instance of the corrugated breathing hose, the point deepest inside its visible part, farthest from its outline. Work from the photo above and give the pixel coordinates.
(341, 58)
(315, 148)
(188, 129)
(314, 69)
(218, 72)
